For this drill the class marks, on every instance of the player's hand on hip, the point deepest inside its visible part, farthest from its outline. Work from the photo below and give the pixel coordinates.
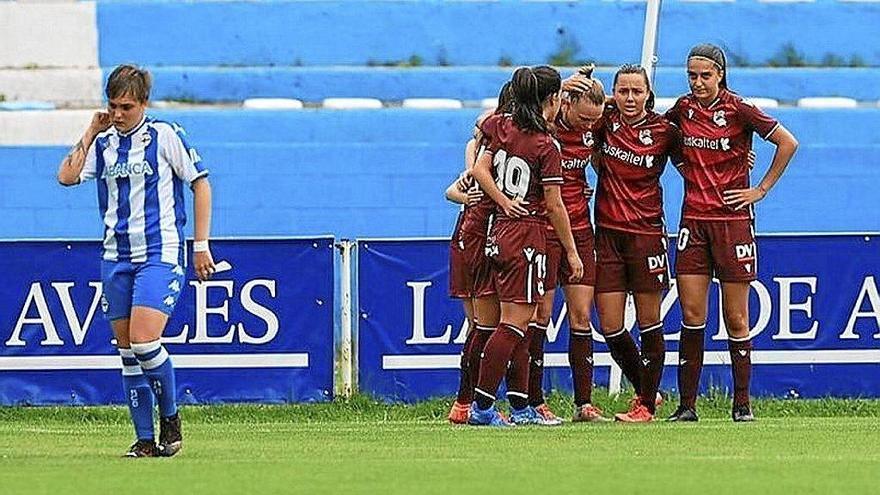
(101, 121)
(515, 208)
(577, 267)
(203, 263)
(474, 195)
(740, 198)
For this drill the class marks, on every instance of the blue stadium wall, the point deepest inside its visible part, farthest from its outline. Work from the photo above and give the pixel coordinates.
(383, 173)
(474, 32)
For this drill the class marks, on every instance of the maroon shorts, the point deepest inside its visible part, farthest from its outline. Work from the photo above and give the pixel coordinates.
(518, 260)
(626, 261)
(558, 270)
(724, 249)
(466, 261)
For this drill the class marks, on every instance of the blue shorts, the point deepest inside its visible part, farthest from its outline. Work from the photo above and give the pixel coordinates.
(152, 284)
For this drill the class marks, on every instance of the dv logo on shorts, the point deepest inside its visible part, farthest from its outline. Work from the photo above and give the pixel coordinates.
(491, 248)
(745, 254)
(657, 265)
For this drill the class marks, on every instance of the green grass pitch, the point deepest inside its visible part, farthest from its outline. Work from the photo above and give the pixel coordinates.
(360, 446)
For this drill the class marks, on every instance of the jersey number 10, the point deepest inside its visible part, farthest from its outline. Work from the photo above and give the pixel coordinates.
(512, 175)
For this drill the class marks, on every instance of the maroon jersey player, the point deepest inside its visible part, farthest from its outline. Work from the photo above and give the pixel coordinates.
(633, 145)
(717, 236)
(520, 170)
(468, 265)
(582, 106)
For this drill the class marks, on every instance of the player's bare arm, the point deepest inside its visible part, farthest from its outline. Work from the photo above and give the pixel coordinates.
(558, 216)
(455, 193)
(72, 165)
(482, 172)
(786, 146)
(203, 262)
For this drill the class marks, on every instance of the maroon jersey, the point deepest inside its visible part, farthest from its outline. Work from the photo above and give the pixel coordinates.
(716, 141)
(576, 149)
(629, 196)
(523, 162)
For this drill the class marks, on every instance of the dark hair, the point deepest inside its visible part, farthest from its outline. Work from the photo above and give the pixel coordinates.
(716, 55)
(505, 99)
(637, 69)
(594, 92)
(530, 87)
(129, 80)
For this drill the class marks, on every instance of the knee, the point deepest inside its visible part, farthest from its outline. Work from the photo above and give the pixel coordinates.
(693, 314)
(737, 323)
(579, 319)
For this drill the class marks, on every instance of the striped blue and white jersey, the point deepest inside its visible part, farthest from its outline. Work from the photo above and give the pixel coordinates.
(141, 176)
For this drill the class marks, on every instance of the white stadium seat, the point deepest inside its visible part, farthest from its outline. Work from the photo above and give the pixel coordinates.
(272, 104)
(827, 102)
(763, 102)
(489, 102)
(663, 104)
(351, 103)
(432, 103)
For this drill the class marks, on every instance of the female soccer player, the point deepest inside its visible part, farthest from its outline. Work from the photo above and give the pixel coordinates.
(582, 107)
(468, 264)
(525, 186)
(141, 165)
(717, 234)
(633, 144)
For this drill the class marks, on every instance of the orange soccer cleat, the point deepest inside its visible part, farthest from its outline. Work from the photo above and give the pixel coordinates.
(459, 413)
(637, 414)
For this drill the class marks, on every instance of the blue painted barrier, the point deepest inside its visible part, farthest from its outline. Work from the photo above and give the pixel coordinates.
(474, 33)
(383, 173)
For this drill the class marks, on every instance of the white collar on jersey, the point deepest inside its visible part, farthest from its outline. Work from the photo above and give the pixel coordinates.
(133, 129)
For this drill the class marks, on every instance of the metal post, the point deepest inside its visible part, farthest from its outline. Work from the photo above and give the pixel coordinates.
(346, 361)
(649, 41)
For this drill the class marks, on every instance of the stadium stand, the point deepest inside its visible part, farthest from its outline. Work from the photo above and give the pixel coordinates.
(383, 172)
(380, 171)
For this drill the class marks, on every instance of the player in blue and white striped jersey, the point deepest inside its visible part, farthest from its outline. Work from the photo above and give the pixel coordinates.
(141, 166)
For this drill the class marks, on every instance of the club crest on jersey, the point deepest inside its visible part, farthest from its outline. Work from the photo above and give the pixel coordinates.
(146, 139)
(587, 139)
(645, 137)
(719, 118)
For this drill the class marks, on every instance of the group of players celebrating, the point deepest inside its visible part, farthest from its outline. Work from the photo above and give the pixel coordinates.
(525, 228)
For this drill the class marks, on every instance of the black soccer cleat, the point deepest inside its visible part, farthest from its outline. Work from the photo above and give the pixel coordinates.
(143, 448)
(170, 437)
(742, 414)
(684, 414)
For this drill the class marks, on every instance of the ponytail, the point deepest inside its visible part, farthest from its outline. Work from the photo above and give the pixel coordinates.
(530, 88)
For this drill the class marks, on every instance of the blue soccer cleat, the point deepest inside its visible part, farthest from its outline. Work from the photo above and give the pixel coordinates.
(529, 416)
(487, 417)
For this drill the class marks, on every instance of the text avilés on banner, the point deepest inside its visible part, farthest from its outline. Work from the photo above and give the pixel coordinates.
(260, 330)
